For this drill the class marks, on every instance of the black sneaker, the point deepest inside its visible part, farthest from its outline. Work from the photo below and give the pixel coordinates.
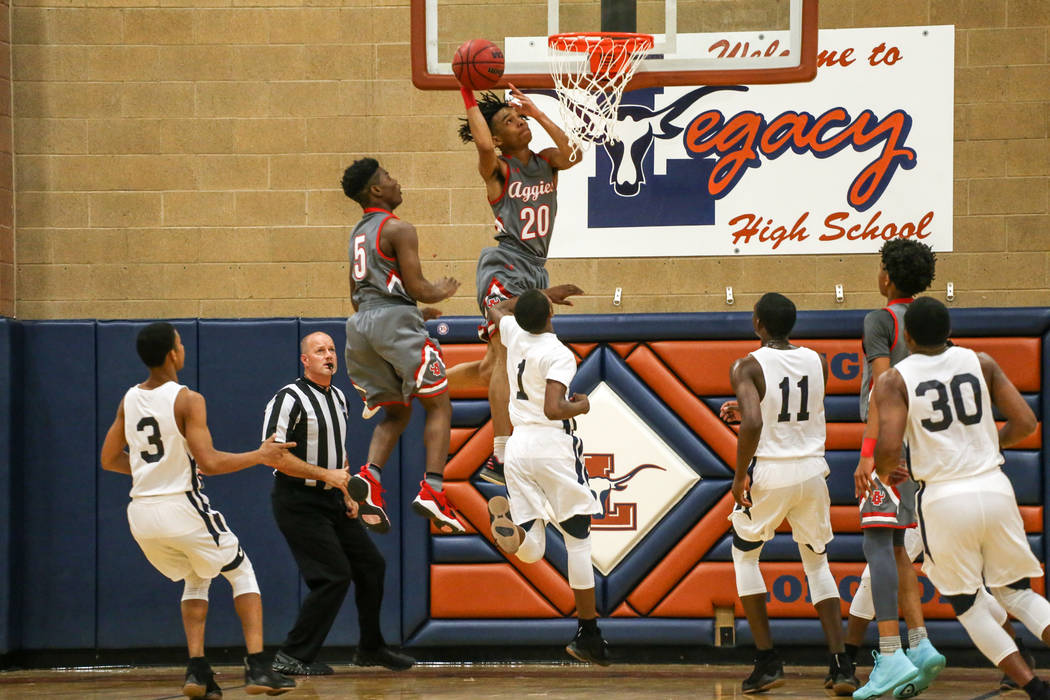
(259, 678)
(1007, 684)
(591, 648)
(492, 472)
(200, 681)
(291, 666)
(842, 675)
(383, 656)
(768, 673)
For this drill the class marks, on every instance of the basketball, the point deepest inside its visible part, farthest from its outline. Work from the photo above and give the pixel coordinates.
(478, 64)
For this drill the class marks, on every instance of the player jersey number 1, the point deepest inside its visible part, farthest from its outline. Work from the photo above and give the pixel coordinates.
(537, 222)
(359, 258)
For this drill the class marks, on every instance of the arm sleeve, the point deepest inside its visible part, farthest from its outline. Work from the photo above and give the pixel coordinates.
(878, 334)
(562, 367)
(282, 413)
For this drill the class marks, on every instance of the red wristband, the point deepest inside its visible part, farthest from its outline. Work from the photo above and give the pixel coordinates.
(468, 97)
(867, 447)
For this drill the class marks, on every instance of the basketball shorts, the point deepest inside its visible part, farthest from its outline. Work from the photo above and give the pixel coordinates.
(986, 547)
(889, 506)
(390, 357)
(546, 478)
(504, 273)
(180, 534)
(805, 505)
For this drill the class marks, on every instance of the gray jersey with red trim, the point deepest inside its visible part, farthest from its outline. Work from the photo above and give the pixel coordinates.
(377, 278)
(883, 337)
(526, 208)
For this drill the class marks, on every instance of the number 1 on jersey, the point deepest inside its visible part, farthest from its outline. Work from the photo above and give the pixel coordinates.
(521, 396)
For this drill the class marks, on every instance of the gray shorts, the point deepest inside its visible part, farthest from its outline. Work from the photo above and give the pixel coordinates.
(390, 357)
(889, 506)
(503, 274)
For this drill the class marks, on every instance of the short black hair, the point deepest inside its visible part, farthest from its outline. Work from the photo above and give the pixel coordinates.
(909, 263)
(490, 104)
(532, 310)
(358, 177)
(154, 342)
(777, 314)
(927, 322)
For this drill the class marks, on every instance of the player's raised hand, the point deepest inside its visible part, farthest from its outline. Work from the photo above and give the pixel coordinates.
(581, 401)
(559, 293)
(525, 106)
(272, 453)
(446, 287)
(430, 313)
(730, 412)
(862, 477)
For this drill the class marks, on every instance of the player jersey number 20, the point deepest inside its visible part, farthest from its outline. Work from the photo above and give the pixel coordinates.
(536, 222)
(359, 258)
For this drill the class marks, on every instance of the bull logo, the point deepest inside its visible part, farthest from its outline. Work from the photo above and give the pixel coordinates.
(621, 515)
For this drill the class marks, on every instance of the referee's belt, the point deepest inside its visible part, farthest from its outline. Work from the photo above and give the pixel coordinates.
(282, 478)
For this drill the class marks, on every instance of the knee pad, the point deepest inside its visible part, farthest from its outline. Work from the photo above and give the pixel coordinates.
(241, 575)
(581, 571)
(863, 606)
(195, 587)
(1029, 607)
(988, 636)
(578, 526)
(534, 544)
(822, 584)
(749, 579)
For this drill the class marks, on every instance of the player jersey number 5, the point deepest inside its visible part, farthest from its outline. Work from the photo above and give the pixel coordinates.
(536, 222)
(360, 261)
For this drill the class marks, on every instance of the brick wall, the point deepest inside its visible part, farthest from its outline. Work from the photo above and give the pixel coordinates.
(184, 161)
(7, 231)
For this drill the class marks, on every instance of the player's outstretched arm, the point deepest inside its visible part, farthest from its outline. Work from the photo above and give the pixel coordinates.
(890, 399)
(562, 156)
(192, 416)
(480, 135)
(558, 294)
(1020, 421)
(749, 398)
(402, 238)
(113, 457)
(557, 407)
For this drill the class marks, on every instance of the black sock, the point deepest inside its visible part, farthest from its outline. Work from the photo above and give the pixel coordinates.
(589, 626)
(766, 654)
(258, 659)
(843, 662)
(1035, 688)
(198, 663)
(851, 651)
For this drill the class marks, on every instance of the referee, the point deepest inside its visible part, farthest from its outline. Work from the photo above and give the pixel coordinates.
(328, 541)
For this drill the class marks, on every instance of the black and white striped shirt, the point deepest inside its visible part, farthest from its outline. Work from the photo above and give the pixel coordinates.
(313, 417)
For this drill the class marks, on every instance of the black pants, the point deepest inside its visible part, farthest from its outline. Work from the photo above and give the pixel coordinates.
(332, 551)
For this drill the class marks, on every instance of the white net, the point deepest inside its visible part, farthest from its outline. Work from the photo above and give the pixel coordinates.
(590, 73)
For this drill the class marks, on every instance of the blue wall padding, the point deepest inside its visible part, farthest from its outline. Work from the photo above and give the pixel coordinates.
(6, 534)
(465, 549)
(137, 606)
(58, 466)
(470, 413)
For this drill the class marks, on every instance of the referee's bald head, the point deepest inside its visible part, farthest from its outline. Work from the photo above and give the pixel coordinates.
(304, 344)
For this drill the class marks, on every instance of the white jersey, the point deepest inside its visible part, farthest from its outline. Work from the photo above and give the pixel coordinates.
(532, 359)
(793, 405)
(161, 463)
(951, 430)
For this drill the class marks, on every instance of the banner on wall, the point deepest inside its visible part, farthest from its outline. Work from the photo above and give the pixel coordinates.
(858, 156)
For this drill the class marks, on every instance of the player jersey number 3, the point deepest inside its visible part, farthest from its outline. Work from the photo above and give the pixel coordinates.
(536, 222)
(360, 269)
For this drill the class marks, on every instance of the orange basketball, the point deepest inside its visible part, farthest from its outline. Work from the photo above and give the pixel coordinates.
(478, 64)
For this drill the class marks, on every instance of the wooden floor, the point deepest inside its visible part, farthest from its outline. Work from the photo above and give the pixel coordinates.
(504, 681)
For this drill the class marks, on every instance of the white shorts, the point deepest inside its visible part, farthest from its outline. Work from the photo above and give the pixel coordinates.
(985, 547)
(806, 505)
(545, 466)
(180, 536)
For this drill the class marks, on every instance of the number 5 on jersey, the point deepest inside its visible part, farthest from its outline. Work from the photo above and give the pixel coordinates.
(359, 270)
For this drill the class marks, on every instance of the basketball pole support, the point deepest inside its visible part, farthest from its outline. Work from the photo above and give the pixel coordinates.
(619, 16)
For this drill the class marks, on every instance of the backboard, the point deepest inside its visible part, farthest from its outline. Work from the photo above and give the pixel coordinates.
(698, 42)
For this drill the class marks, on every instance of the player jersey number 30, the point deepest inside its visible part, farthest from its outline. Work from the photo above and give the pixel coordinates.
(536, 222)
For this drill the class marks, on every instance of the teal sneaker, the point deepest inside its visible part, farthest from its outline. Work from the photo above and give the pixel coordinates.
(929, 661)
(887, 673)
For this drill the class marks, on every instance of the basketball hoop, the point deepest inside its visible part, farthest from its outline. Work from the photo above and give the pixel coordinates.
(590, 72)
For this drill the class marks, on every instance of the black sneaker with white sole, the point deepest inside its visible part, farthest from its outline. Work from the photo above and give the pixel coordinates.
(260, 678)
(768, 673)
(589, 647)
(492, 472)
(200, 681)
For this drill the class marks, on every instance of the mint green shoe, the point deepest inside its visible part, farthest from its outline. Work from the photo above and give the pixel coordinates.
(929, 661)
(888, 673)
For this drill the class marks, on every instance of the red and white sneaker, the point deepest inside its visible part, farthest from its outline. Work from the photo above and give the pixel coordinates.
(434, 505)
(364, 489)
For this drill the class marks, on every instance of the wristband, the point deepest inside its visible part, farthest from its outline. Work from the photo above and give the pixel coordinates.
(867, 447)
(468, 97)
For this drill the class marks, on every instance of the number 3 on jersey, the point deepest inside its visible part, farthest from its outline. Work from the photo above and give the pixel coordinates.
(536, 222)
(359, 258)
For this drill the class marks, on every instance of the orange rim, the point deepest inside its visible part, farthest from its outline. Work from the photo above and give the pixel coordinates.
(585, 42)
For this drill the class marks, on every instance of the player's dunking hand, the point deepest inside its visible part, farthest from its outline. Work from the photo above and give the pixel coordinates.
(581, 399)
(271, 452)
(730, 412)
(446, 287)
(559, 293)
(430, 313)
(525, 106)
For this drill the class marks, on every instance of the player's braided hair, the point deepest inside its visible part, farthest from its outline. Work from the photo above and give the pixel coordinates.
(490, 104)
(357, 177)
(910, 264)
